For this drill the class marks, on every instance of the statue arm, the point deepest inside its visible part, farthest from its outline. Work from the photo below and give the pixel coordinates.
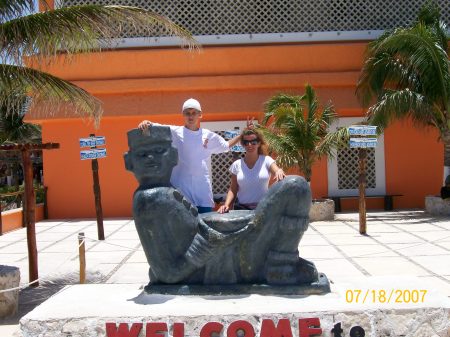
(176, 240)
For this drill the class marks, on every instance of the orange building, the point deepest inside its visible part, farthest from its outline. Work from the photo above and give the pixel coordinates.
(248, 55)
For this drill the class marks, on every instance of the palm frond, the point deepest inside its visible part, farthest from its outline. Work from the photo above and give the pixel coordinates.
(10, 9)
(401, 103)
(49, 93)
(297, 130)
(79, 29)
(407, 59)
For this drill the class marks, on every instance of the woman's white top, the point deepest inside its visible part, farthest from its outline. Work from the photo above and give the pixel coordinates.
(192, 174)
(253, 183)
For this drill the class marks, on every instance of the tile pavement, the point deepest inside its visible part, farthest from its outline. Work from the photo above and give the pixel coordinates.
(399, 243)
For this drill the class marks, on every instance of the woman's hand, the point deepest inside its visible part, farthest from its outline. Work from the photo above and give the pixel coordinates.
(223, 209)
(144, 125)
(279, 175)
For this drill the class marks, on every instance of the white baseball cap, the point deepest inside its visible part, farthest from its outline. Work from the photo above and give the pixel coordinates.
(192, 103)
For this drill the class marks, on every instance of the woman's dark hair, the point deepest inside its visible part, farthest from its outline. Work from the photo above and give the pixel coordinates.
(262, 149)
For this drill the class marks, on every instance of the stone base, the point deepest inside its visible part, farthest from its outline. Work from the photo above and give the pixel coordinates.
(435, 205)
(9, 301)
(321, 210)
(316, 288)
(87, 310)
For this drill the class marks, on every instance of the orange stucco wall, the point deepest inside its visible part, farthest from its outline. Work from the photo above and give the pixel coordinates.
(13, 219)
(231, 83)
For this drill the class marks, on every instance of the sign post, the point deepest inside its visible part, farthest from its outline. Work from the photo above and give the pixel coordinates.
(362, 144)
(94, 153)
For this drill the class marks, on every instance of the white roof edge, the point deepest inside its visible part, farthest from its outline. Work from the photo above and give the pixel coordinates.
(249, 39)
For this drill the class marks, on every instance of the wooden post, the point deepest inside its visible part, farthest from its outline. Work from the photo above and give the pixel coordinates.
(22, 196)
(82, 257)
(29, 201)
(45, 203)
(98, 197)
(1, 221)
(30, 204)
(362, 155)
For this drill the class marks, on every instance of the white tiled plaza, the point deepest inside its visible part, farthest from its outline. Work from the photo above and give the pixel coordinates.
(399, 244)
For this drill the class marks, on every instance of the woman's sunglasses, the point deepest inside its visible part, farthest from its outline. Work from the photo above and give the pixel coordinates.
(253, 142)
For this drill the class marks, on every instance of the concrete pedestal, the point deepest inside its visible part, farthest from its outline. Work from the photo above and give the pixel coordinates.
(9, 301)
(321, 210)
(385, 306)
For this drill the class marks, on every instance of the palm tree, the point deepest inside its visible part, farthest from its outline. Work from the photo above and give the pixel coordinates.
(407, 73)
(14, 130)
(68, 30)
(297, 130)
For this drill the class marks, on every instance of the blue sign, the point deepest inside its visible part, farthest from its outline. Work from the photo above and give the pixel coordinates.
(363, 142)
(362, 130)
(92, 141)
(93, 154)
(230, 135)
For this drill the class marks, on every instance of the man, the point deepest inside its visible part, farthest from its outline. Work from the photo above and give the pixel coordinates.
(195, 146)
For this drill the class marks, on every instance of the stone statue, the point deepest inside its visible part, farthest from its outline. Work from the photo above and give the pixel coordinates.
(239, 247)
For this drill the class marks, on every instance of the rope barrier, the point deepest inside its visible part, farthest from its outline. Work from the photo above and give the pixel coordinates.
(111, 244)
(41, 278)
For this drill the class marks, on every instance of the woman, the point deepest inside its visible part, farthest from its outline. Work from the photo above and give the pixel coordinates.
(250, 175)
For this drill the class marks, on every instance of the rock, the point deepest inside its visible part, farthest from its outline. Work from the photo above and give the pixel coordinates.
(321, 210)
(435, 205)
(9, 301)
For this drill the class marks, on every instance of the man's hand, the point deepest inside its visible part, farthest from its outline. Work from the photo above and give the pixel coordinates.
(144, 125)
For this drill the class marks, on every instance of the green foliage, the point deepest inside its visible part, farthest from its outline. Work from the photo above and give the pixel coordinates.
(14, 201)
(67, 31)
(297, 130)
(406, 73)
(14, 130)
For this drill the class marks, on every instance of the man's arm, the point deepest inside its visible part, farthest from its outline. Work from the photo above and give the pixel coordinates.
(232, 142)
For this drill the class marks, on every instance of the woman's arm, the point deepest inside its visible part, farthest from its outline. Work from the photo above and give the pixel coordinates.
(277, 172)
(231, 195)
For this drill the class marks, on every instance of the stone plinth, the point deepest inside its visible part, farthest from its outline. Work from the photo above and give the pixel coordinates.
(321, 210)
(99, 309)
(435, 205)
(9, 301)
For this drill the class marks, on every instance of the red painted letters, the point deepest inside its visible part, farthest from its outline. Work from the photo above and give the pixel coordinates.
(210, 328)
(308, 327)
(123, 331)
(240, 325)
(178, 330)
(283, 328)
(155, 329)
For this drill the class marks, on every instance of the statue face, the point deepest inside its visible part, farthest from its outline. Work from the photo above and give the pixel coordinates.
(152, 160)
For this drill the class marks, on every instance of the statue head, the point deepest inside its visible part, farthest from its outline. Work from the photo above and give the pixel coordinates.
(151, 156)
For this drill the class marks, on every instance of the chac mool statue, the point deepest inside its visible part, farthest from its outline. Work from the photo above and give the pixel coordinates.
(239, 247)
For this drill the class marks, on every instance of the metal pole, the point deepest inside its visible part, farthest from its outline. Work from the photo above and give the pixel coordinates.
(98, 197)
(29, 202)
(362, 155)
(82, 257)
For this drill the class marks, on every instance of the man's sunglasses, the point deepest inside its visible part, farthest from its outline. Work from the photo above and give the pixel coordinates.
(253, 142)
